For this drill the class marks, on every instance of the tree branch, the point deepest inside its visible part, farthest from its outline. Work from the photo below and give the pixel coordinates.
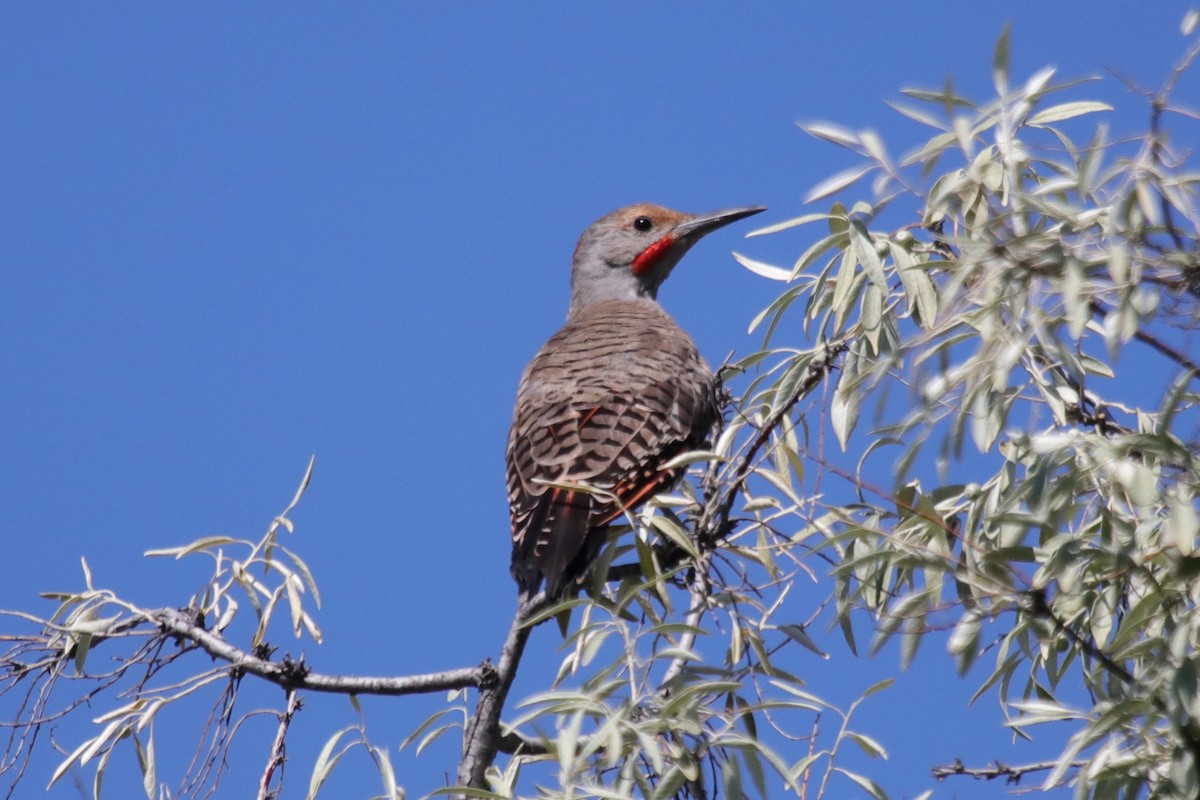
(1154, 343)
(295, 675)
(482, 738)
(719, 504)
(278, 747)
(698, 598)
(996, 770)
(1034, 602)
(513, 742)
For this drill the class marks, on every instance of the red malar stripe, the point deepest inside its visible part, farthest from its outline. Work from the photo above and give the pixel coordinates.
(645, 260)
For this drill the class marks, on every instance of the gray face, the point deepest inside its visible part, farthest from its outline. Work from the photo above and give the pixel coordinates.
(627, 255)
(630, 252)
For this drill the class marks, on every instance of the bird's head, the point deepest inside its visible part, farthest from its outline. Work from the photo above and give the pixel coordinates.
(630, 252)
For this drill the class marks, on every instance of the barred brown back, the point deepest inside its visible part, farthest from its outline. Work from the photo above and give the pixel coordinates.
(615, 394)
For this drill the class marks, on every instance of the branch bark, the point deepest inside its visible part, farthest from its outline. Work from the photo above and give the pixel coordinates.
(1011, 774)
(482, 738)
(293, 675)
(719, 503)
(278, 748)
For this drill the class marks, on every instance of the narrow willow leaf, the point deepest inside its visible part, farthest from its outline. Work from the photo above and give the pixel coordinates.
(878, 686)
(868, 785)
(874, 147)
(386, 772)
(871, 315)
(917, 115)
(912, 633)
(149, 765)
(864, 251)
(843, 411)
(987, 418)
(196, 546)
(763, 269)
(231, 609)
(434, 735)
(1182, 523)
(303, 487)
(846, 626)
(68, 762)
(100, 626)
(102, 767)
(1037, 82)
(830, 132)
(731, 777)
(944, 97)
(310, 625)
(799, 773)
(913, 606)
(844, 283)
(835, 183)
(929, 153)
(1000, 61)
(786, 224)
(669, 784)
(115, 731)
(295, 605)
(1075, 298)
(964, 641)
(83, 644)
(797, 634)
(839, 223)
(305, 573)
(1068, 111)
(1094, 366)
(1037, 712)
(1138, 480)
(1147, 199)
(676, 534)
(774, 311)
(567, 738)
(868, 745)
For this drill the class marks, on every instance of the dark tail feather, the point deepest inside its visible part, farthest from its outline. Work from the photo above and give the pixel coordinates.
(524, 571)
(561, 537)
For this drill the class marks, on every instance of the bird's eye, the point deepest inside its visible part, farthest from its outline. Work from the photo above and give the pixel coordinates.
(643, 224)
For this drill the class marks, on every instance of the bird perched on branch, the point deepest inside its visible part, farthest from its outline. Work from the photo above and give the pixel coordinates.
(611, 398)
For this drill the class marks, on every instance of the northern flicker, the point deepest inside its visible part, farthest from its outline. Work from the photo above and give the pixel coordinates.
(617, 393)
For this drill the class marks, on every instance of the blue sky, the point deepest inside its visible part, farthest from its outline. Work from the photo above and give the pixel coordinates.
(234, 236)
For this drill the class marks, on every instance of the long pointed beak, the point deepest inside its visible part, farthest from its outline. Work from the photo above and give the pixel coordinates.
(692, 229)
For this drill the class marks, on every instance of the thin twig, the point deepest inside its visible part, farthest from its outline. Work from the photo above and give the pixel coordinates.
(1153, 342)
(698, 599)
(1010, 774)
(278, 748)
(1035, 603)
(719, 505)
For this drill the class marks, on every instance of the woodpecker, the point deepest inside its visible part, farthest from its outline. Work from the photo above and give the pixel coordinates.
(617, 393)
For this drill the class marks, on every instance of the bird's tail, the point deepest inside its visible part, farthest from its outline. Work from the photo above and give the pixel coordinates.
(557, 531)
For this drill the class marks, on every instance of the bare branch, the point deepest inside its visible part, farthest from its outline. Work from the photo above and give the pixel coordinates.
(512, 742)
(1034, 602)
(294, 675)
(996, 770)
(482, 739)
(698, 596)
(1153, 342)
(278, 748)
